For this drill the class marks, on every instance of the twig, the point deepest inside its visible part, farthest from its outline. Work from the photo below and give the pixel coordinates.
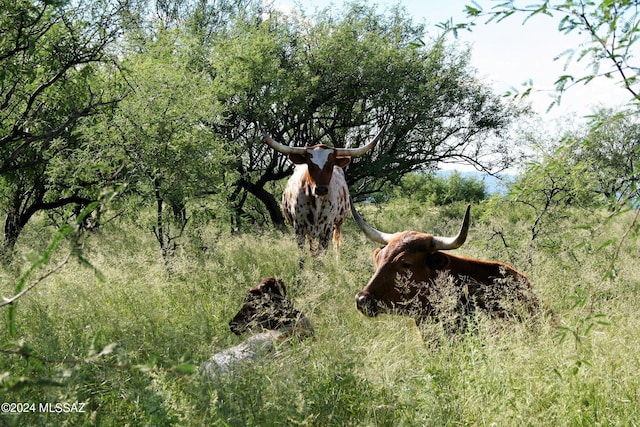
(501, 235)
(8, 301)
(622, 239)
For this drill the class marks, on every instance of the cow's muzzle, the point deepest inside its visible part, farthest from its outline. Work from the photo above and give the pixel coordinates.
(321, 190)
(236, 327)
(366, 304)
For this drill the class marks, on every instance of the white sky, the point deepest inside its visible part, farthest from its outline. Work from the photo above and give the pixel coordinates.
(508, 53)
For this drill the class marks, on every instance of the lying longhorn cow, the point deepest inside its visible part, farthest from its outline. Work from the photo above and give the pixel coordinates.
(412, 270)
(316, 197)
(267, 307)
(268, 314)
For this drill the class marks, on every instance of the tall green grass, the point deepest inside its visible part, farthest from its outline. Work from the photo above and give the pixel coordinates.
(124, 345)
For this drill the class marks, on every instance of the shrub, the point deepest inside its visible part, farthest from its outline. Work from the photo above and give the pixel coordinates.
(438, 190)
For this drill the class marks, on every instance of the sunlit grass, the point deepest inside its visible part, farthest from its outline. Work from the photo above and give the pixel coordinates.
(357, 370)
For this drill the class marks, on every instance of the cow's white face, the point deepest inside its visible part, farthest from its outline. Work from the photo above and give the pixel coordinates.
(319, 156)
(320, 161)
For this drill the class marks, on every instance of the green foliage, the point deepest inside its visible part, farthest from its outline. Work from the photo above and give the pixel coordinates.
(589, 169)
(611, 29)
(598, 166)
(56, 70)
(438, 190)
(337, 77)
(126, 343)
(67, 231)
(550, 186)
(166, 99)
(609, 150)
(171, 157)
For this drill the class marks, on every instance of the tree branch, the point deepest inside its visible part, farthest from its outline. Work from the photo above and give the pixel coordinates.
(9, 301)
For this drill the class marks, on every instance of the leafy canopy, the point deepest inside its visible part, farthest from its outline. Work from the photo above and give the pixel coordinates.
(610, 28)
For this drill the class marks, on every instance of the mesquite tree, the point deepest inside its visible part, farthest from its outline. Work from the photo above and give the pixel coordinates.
(51, 54)
(336, 78)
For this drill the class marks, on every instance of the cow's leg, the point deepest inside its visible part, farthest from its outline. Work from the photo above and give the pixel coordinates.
(325, 236)
(336, 238)
(301, 238)
(313, 246)
(300, 235)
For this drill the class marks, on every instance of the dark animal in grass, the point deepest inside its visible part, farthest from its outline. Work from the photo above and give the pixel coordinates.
(269, 315)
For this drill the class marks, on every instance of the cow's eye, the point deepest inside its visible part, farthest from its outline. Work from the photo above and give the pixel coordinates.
(406, 265)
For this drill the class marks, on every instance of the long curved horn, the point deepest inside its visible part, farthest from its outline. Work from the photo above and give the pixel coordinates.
(285, 149)
(369, 231)
(352, 152)
(444, 243)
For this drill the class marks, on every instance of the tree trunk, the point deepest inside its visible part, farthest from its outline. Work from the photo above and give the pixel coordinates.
(22, 209)
(270, 202)
(13, 226)
(162, 230)
(17, 218)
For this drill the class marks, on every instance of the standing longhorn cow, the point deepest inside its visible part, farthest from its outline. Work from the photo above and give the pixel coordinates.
(412, 272)
(316, 198)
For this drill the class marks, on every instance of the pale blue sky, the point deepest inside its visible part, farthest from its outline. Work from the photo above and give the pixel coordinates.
(507, 54)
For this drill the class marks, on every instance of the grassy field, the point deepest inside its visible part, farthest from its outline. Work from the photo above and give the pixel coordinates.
(124, 347)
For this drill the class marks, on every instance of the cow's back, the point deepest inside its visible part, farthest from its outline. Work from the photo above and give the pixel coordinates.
(494, 285)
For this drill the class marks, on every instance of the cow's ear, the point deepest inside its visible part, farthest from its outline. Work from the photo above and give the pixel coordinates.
(342, 161)
(298, 159)
(437, 260)
(273, 287)
(282, 289)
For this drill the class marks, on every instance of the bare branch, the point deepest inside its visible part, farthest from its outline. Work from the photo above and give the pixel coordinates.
(13, 299)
